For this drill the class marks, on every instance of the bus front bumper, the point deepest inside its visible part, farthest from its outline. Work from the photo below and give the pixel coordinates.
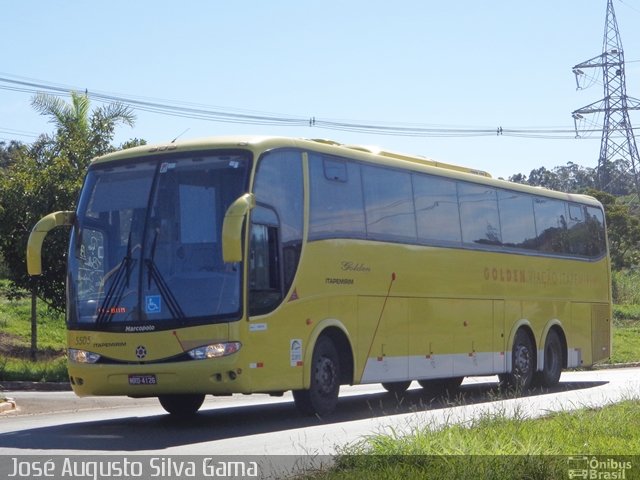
(217, 377)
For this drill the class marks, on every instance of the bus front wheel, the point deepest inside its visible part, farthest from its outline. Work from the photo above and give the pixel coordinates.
(322, 396)
(181, 405)
(522, 363)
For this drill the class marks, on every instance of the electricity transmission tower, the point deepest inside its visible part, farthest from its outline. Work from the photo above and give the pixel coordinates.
(618, 149)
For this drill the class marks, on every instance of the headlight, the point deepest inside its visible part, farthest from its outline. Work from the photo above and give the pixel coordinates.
(214, 350)
(82, 356)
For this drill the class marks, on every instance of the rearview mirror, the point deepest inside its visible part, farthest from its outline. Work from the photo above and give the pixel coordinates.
(232, 227)
(36, 237)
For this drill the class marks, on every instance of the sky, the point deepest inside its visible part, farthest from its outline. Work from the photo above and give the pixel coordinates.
(462, 64)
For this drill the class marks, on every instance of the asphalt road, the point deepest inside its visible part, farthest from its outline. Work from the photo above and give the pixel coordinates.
(52, 423)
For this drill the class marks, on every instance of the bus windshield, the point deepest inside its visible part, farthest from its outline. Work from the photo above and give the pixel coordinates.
(146, 245)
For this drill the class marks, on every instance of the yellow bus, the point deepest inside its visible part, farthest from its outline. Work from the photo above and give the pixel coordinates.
(263, 265)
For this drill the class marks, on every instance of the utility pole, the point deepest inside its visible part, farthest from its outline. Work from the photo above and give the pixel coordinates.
(618, 149)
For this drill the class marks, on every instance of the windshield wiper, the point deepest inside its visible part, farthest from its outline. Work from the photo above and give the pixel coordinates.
(118, 285)
(163, 287)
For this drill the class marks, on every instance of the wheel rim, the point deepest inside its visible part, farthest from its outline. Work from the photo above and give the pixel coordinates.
(325, 376)
(522, 360)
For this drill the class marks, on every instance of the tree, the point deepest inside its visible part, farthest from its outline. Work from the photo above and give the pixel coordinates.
(47, 176)
(8, 153)
(613, 178)
(80, 136)
(623, 230)
(569, 178)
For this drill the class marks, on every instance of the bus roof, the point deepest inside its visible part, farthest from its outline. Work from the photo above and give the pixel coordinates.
(357, 152)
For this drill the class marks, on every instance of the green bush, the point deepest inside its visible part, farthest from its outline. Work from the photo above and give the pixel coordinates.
(622, 314)
(626, 287)
(4, 271)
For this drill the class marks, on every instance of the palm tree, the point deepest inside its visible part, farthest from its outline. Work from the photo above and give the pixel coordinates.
(80, 135)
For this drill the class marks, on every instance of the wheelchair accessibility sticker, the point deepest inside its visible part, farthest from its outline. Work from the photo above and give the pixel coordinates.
(152, 304)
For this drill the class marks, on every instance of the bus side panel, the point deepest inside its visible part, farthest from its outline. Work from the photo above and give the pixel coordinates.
(430, 340)
(579, 343)
(601, 329)
(591, 339)
(277, 344)
(472, 325)
(446, 337)
(499, 334)
(383, 346)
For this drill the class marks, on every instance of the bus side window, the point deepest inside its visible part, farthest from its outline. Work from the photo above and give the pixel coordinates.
(597, 244)
(479, 214)
(336, 205)
(277, 227)
(264, 272)
(551, 225)
(517, 222)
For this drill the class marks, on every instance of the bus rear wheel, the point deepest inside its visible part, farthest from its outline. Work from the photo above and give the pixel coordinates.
(181, 405)
(322, 396)
(550, 374)
(522, 363)
(396, 387)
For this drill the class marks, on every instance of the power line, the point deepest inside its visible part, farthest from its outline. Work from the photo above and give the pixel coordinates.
(629, 6)
(19, 133)
(240, 116)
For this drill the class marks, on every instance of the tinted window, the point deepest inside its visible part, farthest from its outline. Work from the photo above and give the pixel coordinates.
(197, 202)
(279, 185)
(264, 271)
(436, 204)
(335, 170)
(336, 198)
(388, 203)
(516, 220)
(479, 214)
(353, 200)
(577, 235)
(586, 234)
(551, 225)
(597, 242)
(146, 245)
(279, 188)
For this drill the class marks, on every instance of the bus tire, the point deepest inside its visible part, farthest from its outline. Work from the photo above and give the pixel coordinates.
(523, 364)
(322, 396)
(440, 386)
(396, 387)
(550, 374)
(183, 405)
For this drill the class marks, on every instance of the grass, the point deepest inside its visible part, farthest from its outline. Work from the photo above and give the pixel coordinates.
(611, 430)
(626, 334)
(495, 447)
(15, 341)
(50, 370)
(626, 341)
(626, 317)
(626, 287)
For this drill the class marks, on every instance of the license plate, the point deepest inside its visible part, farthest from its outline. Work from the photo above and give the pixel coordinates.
(142, 380)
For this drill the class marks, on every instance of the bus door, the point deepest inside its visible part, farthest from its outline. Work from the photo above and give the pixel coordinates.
(275, 333)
